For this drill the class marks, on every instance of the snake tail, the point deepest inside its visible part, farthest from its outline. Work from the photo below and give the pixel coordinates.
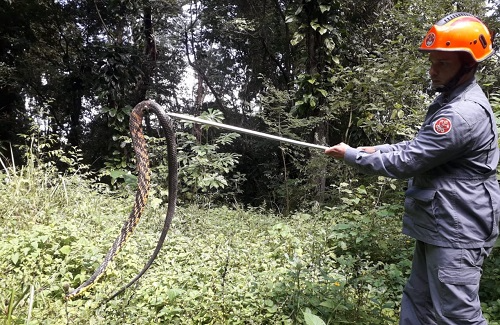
(143, 179)
(167, 126)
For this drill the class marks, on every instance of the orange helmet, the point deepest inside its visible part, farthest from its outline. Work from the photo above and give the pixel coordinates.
(460, 32)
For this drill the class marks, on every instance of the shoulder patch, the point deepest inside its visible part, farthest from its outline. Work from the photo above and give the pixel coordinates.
(442, 125)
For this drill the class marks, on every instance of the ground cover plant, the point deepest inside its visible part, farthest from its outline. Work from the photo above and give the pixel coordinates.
(266, 232)
(222, 265)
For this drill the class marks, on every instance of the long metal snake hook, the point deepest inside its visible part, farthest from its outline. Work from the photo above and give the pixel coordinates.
(246, 131)
(139, 144)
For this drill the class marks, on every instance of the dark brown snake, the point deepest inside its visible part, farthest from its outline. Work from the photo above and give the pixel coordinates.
(143, 180)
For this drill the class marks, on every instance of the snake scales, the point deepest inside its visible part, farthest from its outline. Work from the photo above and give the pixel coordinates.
(141, 154)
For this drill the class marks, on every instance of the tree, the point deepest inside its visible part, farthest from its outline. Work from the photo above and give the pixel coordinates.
(314, 70)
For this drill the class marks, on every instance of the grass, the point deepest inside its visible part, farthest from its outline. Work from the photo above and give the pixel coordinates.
(218, 266)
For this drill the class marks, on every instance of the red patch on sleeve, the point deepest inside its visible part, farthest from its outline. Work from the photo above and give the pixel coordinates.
(442, 126)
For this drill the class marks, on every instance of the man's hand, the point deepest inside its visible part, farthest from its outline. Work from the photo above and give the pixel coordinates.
(338, 151)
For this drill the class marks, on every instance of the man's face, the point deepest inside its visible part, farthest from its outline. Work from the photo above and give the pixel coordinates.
(444, 66)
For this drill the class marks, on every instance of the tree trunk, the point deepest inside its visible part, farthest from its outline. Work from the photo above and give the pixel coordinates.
(316, 64)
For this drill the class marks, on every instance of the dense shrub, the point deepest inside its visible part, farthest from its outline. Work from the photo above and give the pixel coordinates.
(343, 264)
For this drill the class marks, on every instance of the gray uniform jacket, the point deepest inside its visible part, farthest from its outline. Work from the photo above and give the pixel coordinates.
(453, 196)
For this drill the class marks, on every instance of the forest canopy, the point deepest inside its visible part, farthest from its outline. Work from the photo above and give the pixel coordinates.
(316, 71)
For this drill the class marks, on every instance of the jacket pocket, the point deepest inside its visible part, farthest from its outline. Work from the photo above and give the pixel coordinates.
(494, 197)
(458, 289)
(420, 207)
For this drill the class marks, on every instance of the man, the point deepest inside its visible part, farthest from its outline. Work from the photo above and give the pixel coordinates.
(452, 205)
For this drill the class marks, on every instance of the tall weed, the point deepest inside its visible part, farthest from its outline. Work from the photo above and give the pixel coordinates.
(345, 264)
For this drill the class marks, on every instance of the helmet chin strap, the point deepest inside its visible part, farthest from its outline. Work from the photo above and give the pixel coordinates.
(452, 84)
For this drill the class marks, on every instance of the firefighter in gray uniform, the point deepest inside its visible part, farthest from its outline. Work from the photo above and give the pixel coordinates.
(452, 204)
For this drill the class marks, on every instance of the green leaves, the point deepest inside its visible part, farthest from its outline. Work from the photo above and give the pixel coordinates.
(219, 265)
(311, 319)
(15, 258)
(65, 250)
(203, 169)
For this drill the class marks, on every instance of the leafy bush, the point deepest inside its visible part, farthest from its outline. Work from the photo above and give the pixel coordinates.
(206, 173)
(490, 287)
(345, 264)
(361, 263)
(219, 266)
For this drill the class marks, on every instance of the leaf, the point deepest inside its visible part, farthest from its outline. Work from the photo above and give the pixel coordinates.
(343, 226)
(174, 293)
(117, 173)
(324, 8)
(330, 45)
(312, 81)
(66, 250)
(323, 92)
(314, 25)
(268, 302)
(312, 319)
(297, 38)
(156, 202)
(361, 190)
(15, 258)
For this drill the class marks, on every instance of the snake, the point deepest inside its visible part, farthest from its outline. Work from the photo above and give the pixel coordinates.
(141, 196)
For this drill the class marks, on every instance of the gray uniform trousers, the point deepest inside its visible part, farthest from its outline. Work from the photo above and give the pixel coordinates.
(443, 286)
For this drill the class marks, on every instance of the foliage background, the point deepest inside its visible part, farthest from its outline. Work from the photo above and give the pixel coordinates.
(266, 232)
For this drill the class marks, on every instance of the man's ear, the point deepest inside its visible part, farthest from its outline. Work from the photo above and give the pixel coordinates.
(470, 67)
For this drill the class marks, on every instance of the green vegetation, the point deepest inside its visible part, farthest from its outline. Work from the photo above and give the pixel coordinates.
(265, 233)
(223, 265)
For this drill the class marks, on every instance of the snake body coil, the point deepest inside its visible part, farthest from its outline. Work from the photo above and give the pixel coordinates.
(141, 154)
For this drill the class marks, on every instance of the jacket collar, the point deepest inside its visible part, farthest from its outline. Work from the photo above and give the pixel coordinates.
(448, 97)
